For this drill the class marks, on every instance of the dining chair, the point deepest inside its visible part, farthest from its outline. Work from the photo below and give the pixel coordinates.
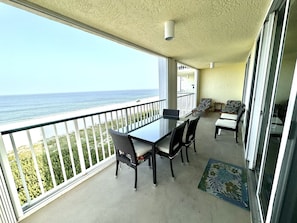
(228, 124)
(189, 135)
(170, 146)
(129, 151)
(171, 113)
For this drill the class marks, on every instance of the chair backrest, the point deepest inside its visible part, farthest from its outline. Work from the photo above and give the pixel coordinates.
(242, 107)
(171, 113)
(240, 113)
(232, 106)
(191, 130)
(123, 145)
(204, 104)
(176, 139)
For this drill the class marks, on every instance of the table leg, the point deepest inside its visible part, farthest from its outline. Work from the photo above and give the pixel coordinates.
(154, 165)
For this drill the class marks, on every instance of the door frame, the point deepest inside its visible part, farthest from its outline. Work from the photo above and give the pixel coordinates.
(272, 81)
(263, 67)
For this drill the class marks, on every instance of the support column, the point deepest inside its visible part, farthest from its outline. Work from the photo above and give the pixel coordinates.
(196, 87)
(168, 81)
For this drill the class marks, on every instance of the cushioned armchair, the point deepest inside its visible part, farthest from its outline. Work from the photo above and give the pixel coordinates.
(232, 106)
(204, 105)
(228, 124)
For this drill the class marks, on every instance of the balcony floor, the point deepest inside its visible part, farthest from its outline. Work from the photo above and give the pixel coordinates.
(102, 198)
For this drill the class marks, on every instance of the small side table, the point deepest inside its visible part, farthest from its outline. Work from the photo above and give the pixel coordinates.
(218, 106)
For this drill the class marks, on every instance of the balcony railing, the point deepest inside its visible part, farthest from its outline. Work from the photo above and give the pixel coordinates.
(185, 103)
(43, 157)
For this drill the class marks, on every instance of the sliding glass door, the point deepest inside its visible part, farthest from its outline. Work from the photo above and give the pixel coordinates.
(284, 193)
(275, 104)
(260, 85)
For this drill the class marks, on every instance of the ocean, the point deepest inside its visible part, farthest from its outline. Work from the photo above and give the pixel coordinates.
(14, 108)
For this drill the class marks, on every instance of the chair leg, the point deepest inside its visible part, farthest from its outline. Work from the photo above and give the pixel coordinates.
(172, 174)
(135, 183)
(216, 132)
(181, 155)
(187, 154)
(194, 146)
(236, 137)
(117, 168)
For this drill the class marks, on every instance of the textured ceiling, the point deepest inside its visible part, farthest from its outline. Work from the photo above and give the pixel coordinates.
(222, 31)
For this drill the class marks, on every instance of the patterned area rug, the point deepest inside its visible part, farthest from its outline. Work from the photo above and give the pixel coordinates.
(226, 181)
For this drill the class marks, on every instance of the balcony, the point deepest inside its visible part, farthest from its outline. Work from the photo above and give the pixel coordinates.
(41, 157)
(102, 198)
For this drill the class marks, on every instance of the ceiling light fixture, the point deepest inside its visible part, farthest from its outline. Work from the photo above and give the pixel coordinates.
(169, 30)
(211, 65)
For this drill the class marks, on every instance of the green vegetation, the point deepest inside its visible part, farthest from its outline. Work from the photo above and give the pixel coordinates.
(28, 168)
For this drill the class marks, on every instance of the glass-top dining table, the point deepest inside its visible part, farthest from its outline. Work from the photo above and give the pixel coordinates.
(152, 133)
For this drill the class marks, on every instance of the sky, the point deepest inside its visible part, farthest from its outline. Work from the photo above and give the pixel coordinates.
(38, 55)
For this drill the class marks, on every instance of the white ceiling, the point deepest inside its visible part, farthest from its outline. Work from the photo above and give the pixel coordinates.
(222, 31)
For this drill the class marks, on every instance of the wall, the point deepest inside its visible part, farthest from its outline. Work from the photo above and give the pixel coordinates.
(222, 83)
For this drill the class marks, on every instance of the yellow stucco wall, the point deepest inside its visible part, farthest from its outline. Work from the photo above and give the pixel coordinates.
(222, 83)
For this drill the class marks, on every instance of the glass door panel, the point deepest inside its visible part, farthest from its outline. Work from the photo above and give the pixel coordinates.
(276, 101)
(285, 197)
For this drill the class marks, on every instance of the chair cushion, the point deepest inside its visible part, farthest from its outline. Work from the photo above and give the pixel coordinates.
(276, 120)
(228, 116)
(227, 123)
(164, 144)
(276, 129)
(141, 148)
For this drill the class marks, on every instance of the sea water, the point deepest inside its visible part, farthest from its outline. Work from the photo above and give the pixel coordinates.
(14, 108)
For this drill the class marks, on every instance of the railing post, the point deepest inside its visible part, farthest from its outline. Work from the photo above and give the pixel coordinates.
(79, 147)
(48, 157)
(126, 119)
(61, 159)
(35, 163)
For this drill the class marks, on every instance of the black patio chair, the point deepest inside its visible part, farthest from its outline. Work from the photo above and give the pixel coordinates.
(170, 146)
(129, 151)
(170, 113)
(189, 135)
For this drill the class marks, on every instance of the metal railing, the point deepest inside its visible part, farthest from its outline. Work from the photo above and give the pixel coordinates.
(44, 157)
